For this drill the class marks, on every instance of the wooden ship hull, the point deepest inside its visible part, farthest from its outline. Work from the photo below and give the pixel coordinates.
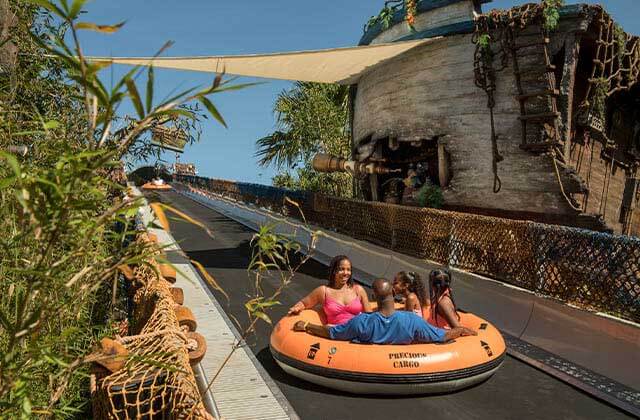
(424, 107)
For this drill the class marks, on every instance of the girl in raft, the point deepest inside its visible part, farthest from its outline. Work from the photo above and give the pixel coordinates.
(341, 299)
(440, 308)
(410, 287)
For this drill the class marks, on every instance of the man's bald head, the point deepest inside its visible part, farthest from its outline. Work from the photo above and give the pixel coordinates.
(382, 289)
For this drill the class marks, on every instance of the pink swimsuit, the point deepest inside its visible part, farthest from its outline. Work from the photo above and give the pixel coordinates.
(337, 313)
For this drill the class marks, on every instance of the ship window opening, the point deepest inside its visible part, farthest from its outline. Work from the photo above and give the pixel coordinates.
(623, 127)
(582, 75)
(558, 61)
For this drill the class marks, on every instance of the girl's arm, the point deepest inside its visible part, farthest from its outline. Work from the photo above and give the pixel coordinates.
(312, 299)
(411, 303)
(448, 311)
(366, 305)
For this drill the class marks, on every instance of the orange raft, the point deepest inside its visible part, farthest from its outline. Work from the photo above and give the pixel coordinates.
(388, 369)
(156, 185)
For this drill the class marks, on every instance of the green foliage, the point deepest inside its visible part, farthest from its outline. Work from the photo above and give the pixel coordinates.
(385, 17)
(311, 118)
(273, 252)
(599, 97)
(484, 41)
(273, 255)
(621, 43)
(338, 184)
(430, 195)
(65, 223)
(551, 13)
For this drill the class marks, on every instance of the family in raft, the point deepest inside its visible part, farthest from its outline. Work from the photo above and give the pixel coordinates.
(349, 314)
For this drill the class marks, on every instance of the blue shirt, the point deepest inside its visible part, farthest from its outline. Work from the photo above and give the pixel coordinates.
(403, 327)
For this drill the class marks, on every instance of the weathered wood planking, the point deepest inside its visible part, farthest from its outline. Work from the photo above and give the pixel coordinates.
(430, 92)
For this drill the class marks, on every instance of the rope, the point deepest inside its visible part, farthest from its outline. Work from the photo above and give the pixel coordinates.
(566, 197)
(130, 338)
(485, 78)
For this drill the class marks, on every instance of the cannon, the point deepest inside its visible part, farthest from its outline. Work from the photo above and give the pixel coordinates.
(323, 162)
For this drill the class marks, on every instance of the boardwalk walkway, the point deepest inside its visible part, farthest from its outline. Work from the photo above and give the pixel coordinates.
(243, 390)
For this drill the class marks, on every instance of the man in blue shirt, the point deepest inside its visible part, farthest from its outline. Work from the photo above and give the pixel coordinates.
(387, 326)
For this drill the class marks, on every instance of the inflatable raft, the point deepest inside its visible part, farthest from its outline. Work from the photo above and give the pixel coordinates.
(388, 369)
(156, 184)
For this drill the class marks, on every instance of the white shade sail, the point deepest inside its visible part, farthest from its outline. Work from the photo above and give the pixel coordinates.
(336, 65)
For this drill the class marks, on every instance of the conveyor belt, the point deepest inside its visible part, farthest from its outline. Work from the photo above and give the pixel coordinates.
(517, 390)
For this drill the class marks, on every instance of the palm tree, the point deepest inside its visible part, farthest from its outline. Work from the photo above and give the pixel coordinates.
(311, 118)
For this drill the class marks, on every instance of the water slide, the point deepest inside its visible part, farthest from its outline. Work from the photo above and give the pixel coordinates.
(518, 390)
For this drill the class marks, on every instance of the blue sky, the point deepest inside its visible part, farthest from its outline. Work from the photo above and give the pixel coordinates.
(200, 27)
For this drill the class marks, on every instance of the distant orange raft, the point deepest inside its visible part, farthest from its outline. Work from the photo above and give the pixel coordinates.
(388, 369)
(156, 185)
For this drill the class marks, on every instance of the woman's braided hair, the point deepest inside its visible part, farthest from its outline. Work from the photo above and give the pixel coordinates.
(439, 283)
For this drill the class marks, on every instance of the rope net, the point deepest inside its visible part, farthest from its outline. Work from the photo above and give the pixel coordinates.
(592, 270)
(615, 68)
(157, 380)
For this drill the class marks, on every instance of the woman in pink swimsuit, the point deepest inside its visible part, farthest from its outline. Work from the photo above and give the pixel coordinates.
(341, 299)
(410, 286)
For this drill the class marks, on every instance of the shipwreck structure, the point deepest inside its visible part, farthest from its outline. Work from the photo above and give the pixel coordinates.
(509, 114)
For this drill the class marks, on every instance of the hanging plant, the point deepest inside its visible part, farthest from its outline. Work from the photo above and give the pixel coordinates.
(484, 42)
(598, 103)
(551, 13)
(411, 9)
(385, 17)
(621, 42)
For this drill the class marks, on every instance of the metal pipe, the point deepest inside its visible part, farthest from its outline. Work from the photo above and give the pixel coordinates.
(207, 397)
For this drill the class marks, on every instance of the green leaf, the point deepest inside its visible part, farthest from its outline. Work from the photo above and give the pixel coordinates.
(236, 87)
(26, 408)
(105, 29)
(49, 6)
(135, 97)
(4, 321)
(76, 7)
(263, 316)
(210, 279)
(178, 96)
(124, 79)
(51, 125)
(94, 67)
(270, 303)
(150, 89)
(176, 112)
(212, 110)
(4, 183)
(12, 161)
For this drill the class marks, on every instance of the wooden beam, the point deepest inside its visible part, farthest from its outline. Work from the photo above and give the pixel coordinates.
(443, 166)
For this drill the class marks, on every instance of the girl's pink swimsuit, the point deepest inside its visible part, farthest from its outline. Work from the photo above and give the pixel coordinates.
(337, 313)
